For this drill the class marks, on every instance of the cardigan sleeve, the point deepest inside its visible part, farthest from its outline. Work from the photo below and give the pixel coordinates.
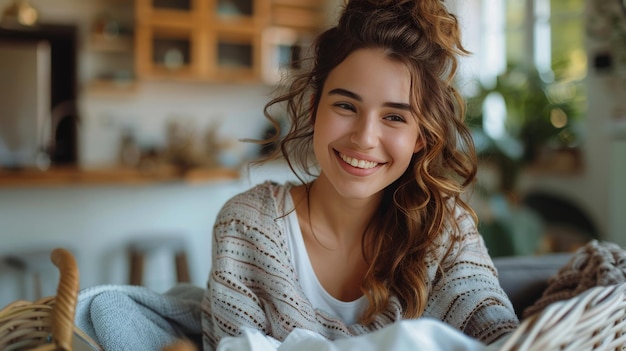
(230, 301)
(466, 293)
(252, 280)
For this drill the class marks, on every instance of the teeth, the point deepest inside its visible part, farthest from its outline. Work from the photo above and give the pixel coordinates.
(358, 163)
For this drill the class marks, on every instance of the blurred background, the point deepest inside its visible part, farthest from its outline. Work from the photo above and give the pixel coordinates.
(121, 120)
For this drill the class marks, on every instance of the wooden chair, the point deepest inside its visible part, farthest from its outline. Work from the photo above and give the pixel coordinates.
(140, 249)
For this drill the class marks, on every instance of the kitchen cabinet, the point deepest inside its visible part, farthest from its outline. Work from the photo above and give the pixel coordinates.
(220, 40)
(110, 47)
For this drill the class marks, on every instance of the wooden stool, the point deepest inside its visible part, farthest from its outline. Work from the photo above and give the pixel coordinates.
(140, 248)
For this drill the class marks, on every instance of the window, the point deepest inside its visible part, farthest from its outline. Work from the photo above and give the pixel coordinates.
(546, 36)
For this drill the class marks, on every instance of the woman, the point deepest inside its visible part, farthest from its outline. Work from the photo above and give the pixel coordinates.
(381, 233)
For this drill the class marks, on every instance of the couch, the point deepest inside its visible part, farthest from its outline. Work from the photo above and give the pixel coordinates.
(524, 278)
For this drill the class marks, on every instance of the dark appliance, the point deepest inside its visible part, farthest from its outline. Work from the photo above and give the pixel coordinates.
(62, 114)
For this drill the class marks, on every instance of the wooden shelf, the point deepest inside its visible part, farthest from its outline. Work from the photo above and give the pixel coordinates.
(112, 87)
(71, 176)
(107, 43)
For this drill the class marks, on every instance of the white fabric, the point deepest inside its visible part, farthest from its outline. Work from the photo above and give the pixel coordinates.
(349, 311)
(424, 334)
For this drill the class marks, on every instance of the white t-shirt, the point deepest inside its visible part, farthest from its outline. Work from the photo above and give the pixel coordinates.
(350, 311)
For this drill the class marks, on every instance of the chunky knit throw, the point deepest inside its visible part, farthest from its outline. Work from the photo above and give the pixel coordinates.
(253, 282)
(595, 264)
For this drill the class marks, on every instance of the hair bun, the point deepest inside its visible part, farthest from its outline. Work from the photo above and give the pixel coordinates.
(430, 17)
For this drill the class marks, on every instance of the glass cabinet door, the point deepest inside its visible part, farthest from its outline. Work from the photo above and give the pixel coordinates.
(178, 5)
(166, 52)
(236, 55)
(171, 53)
(235, 8)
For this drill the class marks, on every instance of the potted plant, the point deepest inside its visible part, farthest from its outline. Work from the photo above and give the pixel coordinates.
(539, 114)
(536, 114)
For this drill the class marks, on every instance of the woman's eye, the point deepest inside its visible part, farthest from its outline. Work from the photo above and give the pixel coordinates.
(395, 118)
(346, 106)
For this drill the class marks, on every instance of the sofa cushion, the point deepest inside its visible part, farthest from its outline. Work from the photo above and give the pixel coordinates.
(524, 278)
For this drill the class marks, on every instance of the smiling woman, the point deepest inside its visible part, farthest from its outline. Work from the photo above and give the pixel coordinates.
(380, 233)
(364, 119)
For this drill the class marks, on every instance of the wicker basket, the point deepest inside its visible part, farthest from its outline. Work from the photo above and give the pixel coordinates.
(182, 345)
(48, 323)
(592, 321)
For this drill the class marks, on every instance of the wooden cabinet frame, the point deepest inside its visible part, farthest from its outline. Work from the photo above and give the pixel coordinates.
(206, 28)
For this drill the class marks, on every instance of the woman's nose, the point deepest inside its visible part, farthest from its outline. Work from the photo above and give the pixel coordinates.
(365, 133)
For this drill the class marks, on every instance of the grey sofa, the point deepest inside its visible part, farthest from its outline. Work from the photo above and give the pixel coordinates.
(524, 278)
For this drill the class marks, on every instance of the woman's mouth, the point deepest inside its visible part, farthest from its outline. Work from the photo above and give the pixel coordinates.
(364, 164)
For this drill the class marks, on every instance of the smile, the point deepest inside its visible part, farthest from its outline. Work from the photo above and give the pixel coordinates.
(357, 163)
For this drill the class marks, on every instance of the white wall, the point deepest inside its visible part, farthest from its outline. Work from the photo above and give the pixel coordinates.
(97, 222)
(606, 140)
(617, 217)
(238, 110)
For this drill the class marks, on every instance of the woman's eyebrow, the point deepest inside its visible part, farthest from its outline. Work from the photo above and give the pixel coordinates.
(346, 93)
(349, 94)
(398, 105)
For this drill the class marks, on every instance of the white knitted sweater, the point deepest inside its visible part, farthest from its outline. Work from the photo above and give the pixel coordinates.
(253, 281)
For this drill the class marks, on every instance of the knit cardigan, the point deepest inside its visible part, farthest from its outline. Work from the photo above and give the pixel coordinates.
(253, 282)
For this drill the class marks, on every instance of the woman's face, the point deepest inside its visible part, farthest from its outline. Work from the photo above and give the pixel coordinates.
(364, 131)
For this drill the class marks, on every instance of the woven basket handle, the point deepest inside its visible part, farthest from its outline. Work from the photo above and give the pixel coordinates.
(65, 301)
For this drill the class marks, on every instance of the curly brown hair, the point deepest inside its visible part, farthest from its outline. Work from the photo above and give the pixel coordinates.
(418, 206)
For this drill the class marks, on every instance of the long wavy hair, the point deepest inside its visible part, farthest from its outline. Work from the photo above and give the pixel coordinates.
(418, 206)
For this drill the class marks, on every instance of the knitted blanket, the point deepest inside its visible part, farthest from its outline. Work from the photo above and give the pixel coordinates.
(134, 318)
(595, 264)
